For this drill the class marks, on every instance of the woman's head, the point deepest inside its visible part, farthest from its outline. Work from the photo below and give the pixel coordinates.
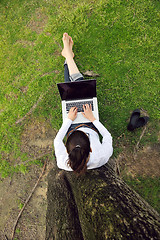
(78, 148)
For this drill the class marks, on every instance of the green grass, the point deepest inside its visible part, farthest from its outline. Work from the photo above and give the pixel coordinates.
(148, 188)
(117, 39)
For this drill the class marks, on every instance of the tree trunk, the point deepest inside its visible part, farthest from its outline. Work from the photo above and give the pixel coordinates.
(97, 206)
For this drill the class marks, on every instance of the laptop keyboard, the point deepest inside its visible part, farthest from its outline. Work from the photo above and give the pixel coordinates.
(79, 105)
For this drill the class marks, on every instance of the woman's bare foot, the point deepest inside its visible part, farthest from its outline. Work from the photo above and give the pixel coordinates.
(71, 44)
(68, 54)
(68, 45)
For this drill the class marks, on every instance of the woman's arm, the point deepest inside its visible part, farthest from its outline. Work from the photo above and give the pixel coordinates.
(59, 147)
(107, 147)
(58, 141)
(107, 138)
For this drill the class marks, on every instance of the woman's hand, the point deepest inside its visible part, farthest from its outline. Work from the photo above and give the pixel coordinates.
(72, 113)
(88, 112)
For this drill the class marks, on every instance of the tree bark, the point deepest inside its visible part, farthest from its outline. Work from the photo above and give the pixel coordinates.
(97, 206)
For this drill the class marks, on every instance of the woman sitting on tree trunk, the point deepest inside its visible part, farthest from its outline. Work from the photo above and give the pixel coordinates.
(83, 148)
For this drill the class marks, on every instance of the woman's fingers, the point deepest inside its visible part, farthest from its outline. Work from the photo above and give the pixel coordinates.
(87, 106)
(88, 112)
(72, 113)
(73, 108)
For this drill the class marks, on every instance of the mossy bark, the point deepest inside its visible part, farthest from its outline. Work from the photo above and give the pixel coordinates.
(98, 205)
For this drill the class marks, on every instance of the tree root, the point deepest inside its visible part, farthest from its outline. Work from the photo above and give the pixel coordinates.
(27, 200)
(137, 145)
(31, 110)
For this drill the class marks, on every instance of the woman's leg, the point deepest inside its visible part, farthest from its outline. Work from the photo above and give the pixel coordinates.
(67, 52)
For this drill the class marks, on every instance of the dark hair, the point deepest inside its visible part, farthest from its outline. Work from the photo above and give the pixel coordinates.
(78, 148)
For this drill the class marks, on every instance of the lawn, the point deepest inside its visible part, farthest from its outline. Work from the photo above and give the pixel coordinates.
(119, 40)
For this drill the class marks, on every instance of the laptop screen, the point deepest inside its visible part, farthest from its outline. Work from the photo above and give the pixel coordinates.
(77, 90)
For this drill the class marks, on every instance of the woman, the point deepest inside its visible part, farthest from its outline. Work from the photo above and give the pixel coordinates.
(83, 148)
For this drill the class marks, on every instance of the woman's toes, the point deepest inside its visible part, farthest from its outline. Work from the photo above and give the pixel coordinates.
(65, 35)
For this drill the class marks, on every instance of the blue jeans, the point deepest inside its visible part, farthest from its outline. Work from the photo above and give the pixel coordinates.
(75, 77)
